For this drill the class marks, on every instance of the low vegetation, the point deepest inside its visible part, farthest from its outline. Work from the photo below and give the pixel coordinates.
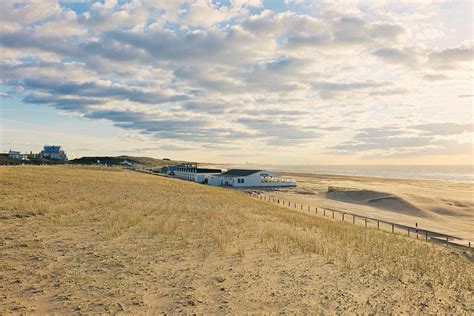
(209, 224)
(92, 160)
(111, 160)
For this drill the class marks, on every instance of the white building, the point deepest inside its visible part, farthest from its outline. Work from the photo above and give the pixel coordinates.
(126, 163)
(250, 178)
(17, 155)
(190, 171)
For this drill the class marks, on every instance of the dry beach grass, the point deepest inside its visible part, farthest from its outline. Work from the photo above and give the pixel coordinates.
(91, 240)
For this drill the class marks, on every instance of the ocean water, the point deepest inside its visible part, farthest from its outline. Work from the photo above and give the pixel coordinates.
(433, 172)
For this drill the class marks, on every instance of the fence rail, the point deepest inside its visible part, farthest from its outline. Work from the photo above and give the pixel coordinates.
(353, 218)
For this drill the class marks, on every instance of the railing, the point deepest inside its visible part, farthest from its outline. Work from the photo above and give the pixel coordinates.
(277, 180)
(371, 222)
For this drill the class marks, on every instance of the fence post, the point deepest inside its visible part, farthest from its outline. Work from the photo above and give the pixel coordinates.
(469, 244)
(447, 238)
(408, 229)
(378, 224)
(309, 209)
(295, 204)
(426, 235)
(332, 214)
(324, 210)
(353, 219)
(416, 230)
(392, 229)
(343, 216)
(316, 210)
(365, 222)
(301, 206)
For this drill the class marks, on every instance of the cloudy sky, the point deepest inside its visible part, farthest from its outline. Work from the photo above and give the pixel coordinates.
(282, 82)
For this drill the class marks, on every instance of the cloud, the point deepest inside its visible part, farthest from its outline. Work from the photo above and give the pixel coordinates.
(388, 92)
(435, 77)
(414, 57)
(95, 90)
(395, 141)
(353, 30)
(452, 57)
(279, 133)
(444, 128)
(228, 73)
(329, 90)
(62, 103)
(435, 148)
(405, 57)
(381, 143)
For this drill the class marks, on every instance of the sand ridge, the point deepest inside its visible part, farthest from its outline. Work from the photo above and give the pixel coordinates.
(443, 206)
(376, 199)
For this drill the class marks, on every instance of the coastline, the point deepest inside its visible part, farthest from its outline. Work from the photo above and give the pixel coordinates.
(442, 205)
(457, 173)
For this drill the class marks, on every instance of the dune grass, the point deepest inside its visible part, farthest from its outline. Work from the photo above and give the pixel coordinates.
(215, 222)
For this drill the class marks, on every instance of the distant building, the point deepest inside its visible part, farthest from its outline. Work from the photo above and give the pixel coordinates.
(169, 169)
(190, 171)
(250, 178)
(126, 163)
(17, 155)
(53, 152)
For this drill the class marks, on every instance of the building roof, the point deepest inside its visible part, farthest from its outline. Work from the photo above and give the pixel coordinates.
(239, 172)
(51, 149)
(207, 170)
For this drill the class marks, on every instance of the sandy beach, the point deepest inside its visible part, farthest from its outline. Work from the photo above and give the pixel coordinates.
(443, 206)
(109, 241)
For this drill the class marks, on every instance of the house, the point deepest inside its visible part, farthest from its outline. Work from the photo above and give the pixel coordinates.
(169, 169)
(190, 171)
(53, 152)
(126, 163)
(17, 155)
(250, 178)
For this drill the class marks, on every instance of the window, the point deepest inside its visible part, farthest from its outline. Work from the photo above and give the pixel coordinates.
(240, 180)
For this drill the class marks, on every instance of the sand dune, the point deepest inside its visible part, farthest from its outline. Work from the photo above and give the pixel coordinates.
(376, 199)
(443, 206)
(95, 241)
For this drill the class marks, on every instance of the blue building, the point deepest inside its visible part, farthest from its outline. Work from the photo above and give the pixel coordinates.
(53, 152)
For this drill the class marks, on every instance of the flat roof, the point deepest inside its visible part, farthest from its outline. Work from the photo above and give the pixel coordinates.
(207, 170)
(239, 172)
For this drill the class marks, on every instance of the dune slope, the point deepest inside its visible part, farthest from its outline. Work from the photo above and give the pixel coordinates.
(376, 199)
(87, 240)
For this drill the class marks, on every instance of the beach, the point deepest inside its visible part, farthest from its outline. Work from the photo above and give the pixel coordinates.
(439, 205)
(91, 240)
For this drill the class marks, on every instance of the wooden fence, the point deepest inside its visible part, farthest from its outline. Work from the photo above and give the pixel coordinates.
(349, 217)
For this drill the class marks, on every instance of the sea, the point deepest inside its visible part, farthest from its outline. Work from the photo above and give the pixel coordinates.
(459, 173)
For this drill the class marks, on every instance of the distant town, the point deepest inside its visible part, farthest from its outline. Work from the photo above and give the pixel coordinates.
(52, 152)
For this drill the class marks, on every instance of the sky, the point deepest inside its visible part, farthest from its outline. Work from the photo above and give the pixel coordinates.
(240, 81)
